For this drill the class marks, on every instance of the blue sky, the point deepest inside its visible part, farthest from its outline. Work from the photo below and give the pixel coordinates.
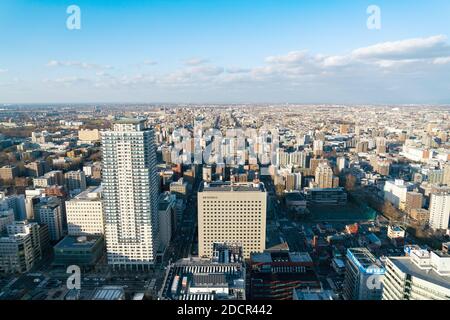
(225, 51)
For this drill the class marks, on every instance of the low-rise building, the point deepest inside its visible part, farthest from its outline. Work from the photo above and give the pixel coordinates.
(220, 278)
(81, 251)
(275, 274)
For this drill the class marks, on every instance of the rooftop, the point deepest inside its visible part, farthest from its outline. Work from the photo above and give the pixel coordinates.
(235, 186)
(82, 242)
(406, 265)
(91, 193)
(365, 260)
(281, 256)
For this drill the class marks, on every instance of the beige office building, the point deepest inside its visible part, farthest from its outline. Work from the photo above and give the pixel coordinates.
(232, 213)
(85, 213)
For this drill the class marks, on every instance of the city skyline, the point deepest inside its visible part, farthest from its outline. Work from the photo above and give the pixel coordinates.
(225, 52)
(246, 153)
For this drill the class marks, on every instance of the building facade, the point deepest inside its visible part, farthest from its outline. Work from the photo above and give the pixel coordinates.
(422, 275)
(85, 213)
(130, 195)
(232, 212)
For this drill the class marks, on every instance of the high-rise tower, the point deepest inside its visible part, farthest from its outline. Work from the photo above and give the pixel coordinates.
(130, 195)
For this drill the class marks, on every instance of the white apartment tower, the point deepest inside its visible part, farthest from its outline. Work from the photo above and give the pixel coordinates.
(440, 211)
(232, 213)
(130, 195)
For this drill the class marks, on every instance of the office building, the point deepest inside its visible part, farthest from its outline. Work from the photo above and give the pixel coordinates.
(167, 218)
(21, 248)
(33, 230)
(363, 276)
(80, 251)
(130, 195)
(75, 180)
(334, 196)
(9, 172)
(422, 275)
(85, 213)
(232, 212)
(446, 179)
(395, 192)
(440, 211)
(16, 203)
(414, 200)
(36, 168)
(324, 177)
(48, 211)
(179, 188)
(6, 218)
(16, 253)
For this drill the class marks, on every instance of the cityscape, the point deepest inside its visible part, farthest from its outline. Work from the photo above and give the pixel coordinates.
(229, 200)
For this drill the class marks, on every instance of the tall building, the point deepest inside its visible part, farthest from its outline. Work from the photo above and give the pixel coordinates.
(446, 179)
(414, 200)
(167, 218)
(14, 202)
(75, 180)
(28, 228)
(179, 188)
(362, 146)
(6, 218)
(16, 253)
(318, 147)
(363, 276)
(395, 192)
(85, 213)
(8, 172)
(422, 275)
(342, 163)
(130, 195)
(36, 168)
(49, 212)
(440, 211)
(436, 176)
(233, 213)
(21, 248)
(324, 178)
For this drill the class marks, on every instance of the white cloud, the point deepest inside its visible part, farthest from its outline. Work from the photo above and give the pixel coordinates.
(442, 60)
(67, 81)
(77, 64)
(417, 48)
(292, 57)
(408, 66)
(196, 61)
(3, 70)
